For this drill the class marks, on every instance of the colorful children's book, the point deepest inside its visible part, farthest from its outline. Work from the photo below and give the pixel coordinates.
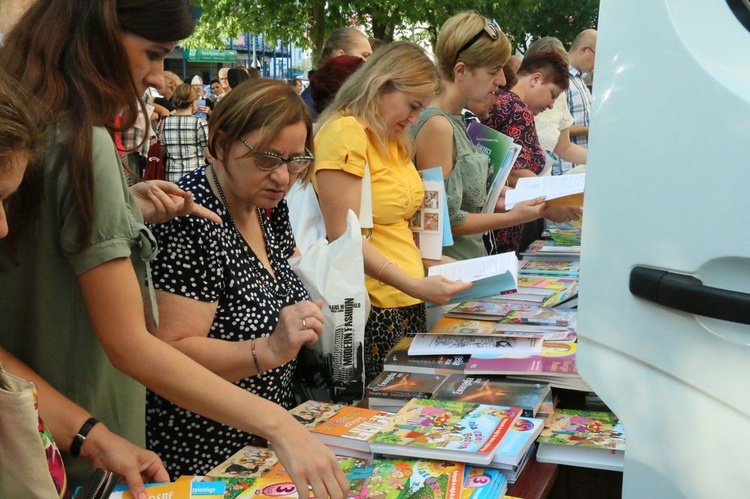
(540, 316)
(591, 439)
(445, 344)
(550, 267)
(399, 360)
(494, 391)
(402, 478)
(518, 441)
(274, 484)
(483, 483)
(444, 429)
(543, 285)
(502, 151)
(403, 386)
(313, 413)
(352, 428)
(248, 462)
(562, 296)
(558, 358)
(183, 487)
(429, 222)
(484, 310)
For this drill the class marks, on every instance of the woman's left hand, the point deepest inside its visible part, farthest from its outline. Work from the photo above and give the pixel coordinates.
(161, 201)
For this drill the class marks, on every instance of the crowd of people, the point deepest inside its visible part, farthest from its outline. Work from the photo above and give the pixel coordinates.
(164, 315)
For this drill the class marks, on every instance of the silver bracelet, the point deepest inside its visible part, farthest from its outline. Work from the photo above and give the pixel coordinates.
(381, 272)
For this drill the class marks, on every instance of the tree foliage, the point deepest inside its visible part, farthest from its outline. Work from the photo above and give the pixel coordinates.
(307, 23)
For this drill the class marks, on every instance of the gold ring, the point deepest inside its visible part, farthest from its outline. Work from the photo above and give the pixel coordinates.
(304, 324)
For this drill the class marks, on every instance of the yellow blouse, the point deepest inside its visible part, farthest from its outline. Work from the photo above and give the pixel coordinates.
(397, 192)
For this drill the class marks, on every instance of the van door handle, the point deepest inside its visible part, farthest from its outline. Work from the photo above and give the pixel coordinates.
(688, 294)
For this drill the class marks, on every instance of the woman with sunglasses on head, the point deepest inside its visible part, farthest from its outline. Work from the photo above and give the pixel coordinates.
(226, 293)
(75, 267)
(471, 51)
(365, 125)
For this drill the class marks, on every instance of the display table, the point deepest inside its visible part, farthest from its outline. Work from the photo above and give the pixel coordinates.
(535, 481)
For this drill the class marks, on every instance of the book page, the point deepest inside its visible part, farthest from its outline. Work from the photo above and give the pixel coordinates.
(475, 269)
(549, 187)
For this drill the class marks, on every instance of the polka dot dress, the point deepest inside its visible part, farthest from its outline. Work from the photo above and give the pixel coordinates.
(208, 262)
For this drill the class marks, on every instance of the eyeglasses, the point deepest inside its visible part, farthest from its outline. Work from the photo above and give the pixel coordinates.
(491, 28)
(592, 50)
(268, 161)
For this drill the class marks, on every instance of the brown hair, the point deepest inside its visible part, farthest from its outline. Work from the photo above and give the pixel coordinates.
(261, 104)
(340, 39)
(20, 122)
(184, 96)
(70, 56)
(551, 65)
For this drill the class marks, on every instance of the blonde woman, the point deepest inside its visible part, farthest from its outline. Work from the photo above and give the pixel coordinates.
(365, 125)
(471, 51)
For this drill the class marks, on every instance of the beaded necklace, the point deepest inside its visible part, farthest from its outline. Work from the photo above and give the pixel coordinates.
(270, 287)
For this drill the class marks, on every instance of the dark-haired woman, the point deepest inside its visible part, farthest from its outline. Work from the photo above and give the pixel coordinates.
(75, 274)
(184, 135)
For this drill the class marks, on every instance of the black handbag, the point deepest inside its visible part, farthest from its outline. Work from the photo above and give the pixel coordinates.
(100, 485)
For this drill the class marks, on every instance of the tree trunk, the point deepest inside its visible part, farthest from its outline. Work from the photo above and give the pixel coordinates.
(318, 30)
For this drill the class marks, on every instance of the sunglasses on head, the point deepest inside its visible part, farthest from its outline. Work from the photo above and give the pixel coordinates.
(269, 161)
(491, 28)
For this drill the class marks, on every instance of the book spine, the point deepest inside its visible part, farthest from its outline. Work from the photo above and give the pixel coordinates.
(399, 395)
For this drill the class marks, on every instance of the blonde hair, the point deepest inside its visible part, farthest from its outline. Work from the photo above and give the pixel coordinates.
(341, 39)
(547, 44)
(184, 96)
(171, 81)
(260, 104)
(483, 53)
(399, 66)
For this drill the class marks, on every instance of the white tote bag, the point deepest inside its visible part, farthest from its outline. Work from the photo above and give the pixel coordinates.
(333, 368)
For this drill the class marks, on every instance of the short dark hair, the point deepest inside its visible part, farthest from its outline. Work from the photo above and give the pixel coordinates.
(550, 64)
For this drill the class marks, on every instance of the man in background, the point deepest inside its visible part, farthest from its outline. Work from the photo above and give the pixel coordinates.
(581, 54)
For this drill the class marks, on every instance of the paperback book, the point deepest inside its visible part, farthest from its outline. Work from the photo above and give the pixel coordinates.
(428, 223)
(491, 275)
(399, 387)
(399, 360)
(517, 442)
(557, 358)
(483, 310)
(541, 316)
(543, 285)
(550, 267)
(483, 483)
(446, 430)
(313, 413)
(445, 344)
(248, 462)
(591, 439)
(352, 428)
(468, 327)
(494, 391)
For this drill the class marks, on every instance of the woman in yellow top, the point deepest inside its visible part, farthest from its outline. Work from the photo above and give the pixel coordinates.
(365, 125)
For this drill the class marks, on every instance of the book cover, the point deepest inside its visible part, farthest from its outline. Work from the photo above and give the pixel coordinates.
(248, 462)
(492, 275)
(352, 428)
(562, 296)
(313, 413)
(398, 359)
(428, 223)
(540, 316)
(403, 478)
(494, 391)
(470, 327)
(592, 439)
(483, 483)
(234, 485)
(404, 385)
(444, 429)
(484, 310)
(446, 344)
(558, 358)
(276, 483)
(518, 441)
(550, 267)
(185, 488)
(543, 285)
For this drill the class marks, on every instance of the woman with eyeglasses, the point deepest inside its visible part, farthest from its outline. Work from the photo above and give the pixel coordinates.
(471, 51)
(76, 294)
(226, 294)
(365, 127)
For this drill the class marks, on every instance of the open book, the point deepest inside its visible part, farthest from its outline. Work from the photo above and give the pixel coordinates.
(492, 275)
(561, 190)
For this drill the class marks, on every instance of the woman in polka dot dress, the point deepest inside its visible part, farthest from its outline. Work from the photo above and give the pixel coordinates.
(226, 294)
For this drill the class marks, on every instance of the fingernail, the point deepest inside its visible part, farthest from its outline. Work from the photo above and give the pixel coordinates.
(142, 495)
